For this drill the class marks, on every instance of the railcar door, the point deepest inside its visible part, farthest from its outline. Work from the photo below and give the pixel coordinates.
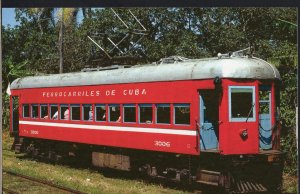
(265, 126)
(15, 115)
(208, 120)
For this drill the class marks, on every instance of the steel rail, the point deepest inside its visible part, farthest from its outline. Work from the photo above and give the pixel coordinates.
(48, 183)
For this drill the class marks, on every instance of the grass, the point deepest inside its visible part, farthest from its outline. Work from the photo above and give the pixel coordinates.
(25, 186)
(290, 184)
(85, 180)
(92, 181)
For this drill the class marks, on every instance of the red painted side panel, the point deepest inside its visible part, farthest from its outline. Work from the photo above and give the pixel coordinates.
(136, 93)
(145, 141)
(230, 139)
(157, 92)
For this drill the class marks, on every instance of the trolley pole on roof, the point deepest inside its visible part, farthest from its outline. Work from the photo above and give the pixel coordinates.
(99, 47)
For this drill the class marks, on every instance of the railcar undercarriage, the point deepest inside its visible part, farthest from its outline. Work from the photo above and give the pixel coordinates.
(232, 174)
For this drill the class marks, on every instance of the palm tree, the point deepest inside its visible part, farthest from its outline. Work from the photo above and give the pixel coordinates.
(87, 12)
(65, 18)
(41, 15)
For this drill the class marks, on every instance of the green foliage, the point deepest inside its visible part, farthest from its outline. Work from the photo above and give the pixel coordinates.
(288, 111)
(5, 112)
(10, 71)
(190, 32)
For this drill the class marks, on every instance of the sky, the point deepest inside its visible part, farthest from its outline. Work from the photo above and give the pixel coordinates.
(8, 17)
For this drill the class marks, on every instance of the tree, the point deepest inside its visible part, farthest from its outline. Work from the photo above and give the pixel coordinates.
(43, 17)
(66, 17)
(189, 32)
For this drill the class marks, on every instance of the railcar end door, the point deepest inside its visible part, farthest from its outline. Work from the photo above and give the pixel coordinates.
(265, 126)
(15, 115)
(208, 120)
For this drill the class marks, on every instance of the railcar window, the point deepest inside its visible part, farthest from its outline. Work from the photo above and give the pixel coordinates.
(163, 113)
(26, 111)
(88, 112)
(129, 111)
(114, 113)
(44, 111)
(146, 113)
(100, 113)
(34, 111)
(182, 114)
(54, 111)
(242, 103)
(64, 112)
(264, 100)
(75, 112)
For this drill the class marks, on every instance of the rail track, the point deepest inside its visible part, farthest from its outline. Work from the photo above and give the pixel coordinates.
(37, 183)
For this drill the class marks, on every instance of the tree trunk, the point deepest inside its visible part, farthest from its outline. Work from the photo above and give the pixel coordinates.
(84, 13)
(1, 98)
(61, 32)
(89, 12)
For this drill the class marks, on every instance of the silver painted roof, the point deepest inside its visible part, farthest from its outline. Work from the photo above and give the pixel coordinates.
(192, 69)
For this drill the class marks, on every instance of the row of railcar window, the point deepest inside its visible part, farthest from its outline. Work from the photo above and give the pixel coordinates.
(75, 112)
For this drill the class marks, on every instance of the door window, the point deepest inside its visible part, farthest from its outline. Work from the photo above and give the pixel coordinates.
(242, 103)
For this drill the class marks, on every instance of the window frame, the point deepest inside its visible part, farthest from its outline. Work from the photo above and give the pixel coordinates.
(71, 112)
(242, 119)
(51, 105)
(43, 105)
(174, 115)
(139, 113)
(82, 112)
(29, 111)
(163, 105)
(95, 112)
(63, 113)
(113, 105)
(123, 115)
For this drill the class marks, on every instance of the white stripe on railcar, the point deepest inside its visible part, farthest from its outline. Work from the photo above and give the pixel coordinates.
(113, 128)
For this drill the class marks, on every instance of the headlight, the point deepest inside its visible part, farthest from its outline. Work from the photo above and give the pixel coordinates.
(244, 134)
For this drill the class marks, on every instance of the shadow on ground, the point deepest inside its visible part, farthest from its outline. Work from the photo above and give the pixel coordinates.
(72, 162)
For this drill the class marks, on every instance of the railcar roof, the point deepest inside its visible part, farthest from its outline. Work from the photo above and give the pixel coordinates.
(192, 69)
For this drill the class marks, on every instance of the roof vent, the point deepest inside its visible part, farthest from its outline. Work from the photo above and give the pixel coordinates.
(240, 53)
(105, 68)
(171, 59)
(220, 55)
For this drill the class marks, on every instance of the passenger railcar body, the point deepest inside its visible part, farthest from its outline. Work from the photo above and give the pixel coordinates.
(200, 109)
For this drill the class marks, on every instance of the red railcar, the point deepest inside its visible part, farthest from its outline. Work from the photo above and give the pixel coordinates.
(208, 120)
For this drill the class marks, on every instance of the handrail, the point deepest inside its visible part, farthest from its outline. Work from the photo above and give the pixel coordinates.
(198, 135)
